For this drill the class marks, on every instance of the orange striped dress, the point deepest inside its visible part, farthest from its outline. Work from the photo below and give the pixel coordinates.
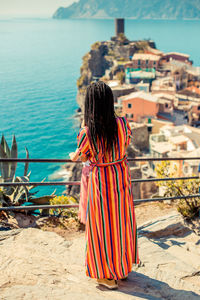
(111, 231)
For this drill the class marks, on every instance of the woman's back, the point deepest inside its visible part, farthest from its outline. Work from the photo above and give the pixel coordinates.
(98, 151)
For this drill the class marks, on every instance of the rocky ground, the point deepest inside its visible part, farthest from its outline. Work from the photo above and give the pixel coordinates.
(37, 264)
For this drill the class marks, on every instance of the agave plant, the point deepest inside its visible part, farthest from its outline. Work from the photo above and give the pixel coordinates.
(16, 195)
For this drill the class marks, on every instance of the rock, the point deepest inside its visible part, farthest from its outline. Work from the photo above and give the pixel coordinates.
(80, 98)
(75, 171)
(165, 255)
(42, 265)
(19, 220)
(7, 234)
(97, 62)
(172, 224)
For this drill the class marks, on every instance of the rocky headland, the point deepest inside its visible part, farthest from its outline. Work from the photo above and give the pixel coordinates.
(133, 9)
(106, 60)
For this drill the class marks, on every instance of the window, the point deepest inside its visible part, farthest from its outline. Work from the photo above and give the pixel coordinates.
(166, 105)
(147, 62)
(139, 62)
(198, 107)
(129, 105)
(129, 116)
(154, 63)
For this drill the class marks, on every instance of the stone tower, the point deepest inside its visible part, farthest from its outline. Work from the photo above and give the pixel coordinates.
(119, 26)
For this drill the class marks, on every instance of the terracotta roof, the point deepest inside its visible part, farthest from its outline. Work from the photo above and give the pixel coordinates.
(193, 89)
(177, 53)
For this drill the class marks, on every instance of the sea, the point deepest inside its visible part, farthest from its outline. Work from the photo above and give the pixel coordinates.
(40, 60)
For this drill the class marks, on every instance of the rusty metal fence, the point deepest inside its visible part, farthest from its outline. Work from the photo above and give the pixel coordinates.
(71, 183)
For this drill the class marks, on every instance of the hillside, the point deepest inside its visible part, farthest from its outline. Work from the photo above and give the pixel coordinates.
(142, 9)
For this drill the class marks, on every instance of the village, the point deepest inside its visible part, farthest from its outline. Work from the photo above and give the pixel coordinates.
(159, 93)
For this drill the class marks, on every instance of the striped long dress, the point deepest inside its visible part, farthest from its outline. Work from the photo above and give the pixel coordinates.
(111, 232)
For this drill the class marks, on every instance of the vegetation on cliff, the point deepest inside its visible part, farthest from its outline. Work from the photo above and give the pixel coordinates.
(106, 59)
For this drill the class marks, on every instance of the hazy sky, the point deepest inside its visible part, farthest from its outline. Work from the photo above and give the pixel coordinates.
(31, 7)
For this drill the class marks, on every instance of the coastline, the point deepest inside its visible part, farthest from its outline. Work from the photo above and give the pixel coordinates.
(39, 103)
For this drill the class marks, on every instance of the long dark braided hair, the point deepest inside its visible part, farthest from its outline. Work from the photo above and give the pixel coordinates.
(99, 114)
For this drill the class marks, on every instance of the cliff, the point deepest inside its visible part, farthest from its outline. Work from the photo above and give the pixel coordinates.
(151, 9)
(94, 65)
(106, 60)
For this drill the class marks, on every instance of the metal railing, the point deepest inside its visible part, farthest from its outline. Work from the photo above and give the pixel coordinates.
(71, 183)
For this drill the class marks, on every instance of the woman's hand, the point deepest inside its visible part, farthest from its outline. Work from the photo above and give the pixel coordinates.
(74, 155)
(71, 155)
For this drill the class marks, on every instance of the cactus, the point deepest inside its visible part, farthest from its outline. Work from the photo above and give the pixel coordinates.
(16, 195)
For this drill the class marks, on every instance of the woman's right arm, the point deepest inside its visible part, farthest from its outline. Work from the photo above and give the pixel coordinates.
(83, 147)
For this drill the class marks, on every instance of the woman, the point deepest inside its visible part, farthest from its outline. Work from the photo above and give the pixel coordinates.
(111, 231)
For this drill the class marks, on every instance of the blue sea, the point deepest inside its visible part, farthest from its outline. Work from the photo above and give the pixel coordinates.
(40, 62)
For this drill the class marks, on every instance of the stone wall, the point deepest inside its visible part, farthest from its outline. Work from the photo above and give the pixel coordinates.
(140, 139)
(147, 189)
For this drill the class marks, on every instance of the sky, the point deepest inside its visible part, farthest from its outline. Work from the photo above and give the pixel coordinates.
(27, 8)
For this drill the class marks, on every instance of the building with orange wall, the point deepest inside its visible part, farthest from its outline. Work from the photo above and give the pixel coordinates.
(139, 105)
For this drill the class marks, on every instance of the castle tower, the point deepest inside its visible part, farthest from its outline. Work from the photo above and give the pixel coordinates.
(119, 26)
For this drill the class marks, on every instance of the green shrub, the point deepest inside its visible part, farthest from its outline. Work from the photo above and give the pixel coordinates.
(142, 45)
(96, 46)
(111, 53)
(121, 59)
(121, 77)
(82, 80)
(121, 37)
(189, 208)
(69, 212)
